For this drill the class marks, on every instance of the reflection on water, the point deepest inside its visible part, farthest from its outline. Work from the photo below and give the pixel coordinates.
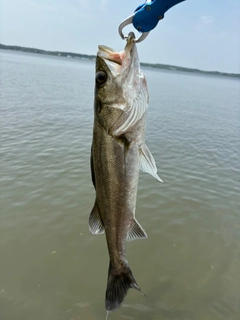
(51, 267)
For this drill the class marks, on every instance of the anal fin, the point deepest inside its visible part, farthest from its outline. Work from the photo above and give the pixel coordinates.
(136, 232)
(95, 221)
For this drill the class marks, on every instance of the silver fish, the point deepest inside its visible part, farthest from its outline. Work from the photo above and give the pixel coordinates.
(118, 152)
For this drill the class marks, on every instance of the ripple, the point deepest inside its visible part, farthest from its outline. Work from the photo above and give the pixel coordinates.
(189, 265)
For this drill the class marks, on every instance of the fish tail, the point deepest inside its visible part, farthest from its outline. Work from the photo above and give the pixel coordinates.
(117, 286)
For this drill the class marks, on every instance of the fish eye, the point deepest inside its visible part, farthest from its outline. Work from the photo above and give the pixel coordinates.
(101, 77)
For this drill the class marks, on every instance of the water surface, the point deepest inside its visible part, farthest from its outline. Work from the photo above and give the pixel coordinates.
(51, 267)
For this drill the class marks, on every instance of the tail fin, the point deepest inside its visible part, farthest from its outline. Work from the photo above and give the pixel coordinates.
(117, 286)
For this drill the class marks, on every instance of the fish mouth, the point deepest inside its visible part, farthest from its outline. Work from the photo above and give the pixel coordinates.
(118, 61)
(109, 54)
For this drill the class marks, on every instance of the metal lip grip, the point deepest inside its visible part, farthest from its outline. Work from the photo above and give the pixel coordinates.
(147, 16)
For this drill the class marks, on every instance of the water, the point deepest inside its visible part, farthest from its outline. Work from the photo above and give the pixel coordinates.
(51, 267)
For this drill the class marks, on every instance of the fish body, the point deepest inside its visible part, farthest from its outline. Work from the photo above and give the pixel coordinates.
(118, 152)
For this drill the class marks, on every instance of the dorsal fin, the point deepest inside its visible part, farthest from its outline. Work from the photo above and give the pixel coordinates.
(92, 169)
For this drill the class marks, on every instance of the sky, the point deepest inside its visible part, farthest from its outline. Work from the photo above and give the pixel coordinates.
(198, 34)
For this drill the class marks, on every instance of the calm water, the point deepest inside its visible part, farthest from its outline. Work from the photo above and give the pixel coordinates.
(51, 267)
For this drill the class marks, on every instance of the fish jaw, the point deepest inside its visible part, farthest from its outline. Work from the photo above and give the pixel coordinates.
(124, 63)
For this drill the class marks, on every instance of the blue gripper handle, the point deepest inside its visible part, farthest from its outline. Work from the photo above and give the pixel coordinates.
(147, 15)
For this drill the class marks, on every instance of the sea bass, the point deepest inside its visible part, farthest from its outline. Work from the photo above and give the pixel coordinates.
(118, 152)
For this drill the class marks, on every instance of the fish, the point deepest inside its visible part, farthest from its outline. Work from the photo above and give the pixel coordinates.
(118, 152)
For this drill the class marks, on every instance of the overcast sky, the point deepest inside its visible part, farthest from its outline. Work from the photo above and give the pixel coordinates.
(200, 34)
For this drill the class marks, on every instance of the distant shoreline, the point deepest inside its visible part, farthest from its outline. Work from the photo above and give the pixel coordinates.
(92, 57)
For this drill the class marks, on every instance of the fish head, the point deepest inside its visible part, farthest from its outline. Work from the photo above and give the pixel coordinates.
(119, 82)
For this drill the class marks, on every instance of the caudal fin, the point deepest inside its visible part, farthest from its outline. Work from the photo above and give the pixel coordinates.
(117, 286)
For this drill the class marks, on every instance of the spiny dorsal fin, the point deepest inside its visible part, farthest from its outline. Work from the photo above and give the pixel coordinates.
(95, 221)
(136, 232)
(147, 163)
(92, 169)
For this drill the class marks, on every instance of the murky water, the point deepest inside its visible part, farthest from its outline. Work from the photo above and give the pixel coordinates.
(51, 267)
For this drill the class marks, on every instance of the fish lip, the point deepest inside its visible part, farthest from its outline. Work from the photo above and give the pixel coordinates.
(109, 54)
(105, 48)
(118, 62)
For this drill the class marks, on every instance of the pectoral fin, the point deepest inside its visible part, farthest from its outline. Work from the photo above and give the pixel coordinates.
(136, 232)
(137, 110)
(147, 163)
(95, 221)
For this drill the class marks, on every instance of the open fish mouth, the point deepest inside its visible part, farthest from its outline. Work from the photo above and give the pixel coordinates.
(118, 61)
(110, 55)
